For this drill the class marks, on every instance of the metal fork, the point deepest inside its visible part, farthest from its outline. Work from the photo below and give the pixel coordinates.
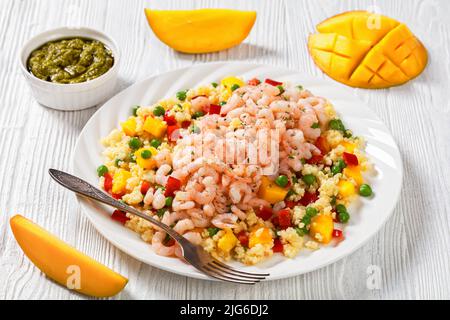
(193, 254)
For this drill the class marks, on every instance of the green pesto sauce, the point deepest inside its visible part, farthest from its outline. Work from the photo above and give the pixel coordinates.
(72, 60)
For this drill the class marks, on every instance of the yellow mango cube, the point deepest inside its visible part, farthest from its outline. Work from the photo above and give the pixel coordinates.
(148, 163)
(260, 236)
(349, 146)
(228, 241)
(156, 127)
(346, 188)
(321, 228)
(129, 126)
(354, 172)
(120, 181)
(271, 192)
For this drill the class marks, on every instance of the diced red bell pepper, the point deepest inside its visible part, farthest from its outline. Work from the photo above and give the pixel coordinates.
(173, 133)
(169, 119)
(185, 124)
(107, 184)
(322, 145)
(284, 218)
(119, 216)
(117, 196)
(273, 82)
(277, 245)
(243, 238)
(144, 187)
(264, 213)
(308, 198)
(275, 222)
(172, 185)
(350, 159)
(214, 109)
(290, 204)
(253, 82)
(315, 159)
(337, 233)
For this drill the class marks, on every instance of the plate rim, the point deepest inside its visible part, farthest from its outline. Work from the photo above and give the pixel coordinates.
(197, 275)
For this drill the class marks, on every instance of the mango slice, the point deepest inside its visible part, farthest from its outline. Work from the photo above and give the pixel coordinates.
(366, 50)
(63, 263)
(200, 31)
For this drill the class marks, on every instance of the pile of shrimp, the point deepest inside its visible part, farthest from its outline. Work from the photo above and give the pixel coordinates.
(217, 193)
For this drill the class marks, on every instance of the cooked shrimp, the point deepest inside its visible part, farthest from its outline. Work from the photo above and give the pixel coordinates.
(159, 200)
(162, 174)
(226, 220)
(200, 103)
(308, 121)
(159, 247)
(184, 225)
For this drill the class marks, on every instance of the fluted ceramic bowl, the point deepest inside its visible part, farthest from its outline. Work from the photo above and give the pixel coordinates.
(75, 96)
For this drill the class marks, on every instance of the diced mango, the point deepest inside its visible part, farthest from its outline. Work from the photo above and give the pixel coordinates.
(228, 241)
(346, 188)
(354, 172)
(129, 126)
(228, 82)
(321, 228)
(202, 30)
(63, 263)
(270, 192)
(120, 181)
(367, 50)
(156, 127)
(260, 236)
(145, 163)
(349, 146)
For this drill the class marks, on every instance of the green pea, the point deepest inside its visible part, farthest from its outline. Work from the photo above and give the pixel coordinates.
(134, 110)
(169, 201)
(309, 179)
(213, 231)
(159, 111)
(311, 212)
(344, 216)
(198, 114)
(282, 181)
(336, 124)
(155, 143)
(146, 154)
(235, 86)
(102, 170)
(338, 167)
(222, 103)
(301, 231)
(135, 143)
(214, 84)
(280, 87)
(181, 95)
(365, 190)
(315, 125)
(340, 208)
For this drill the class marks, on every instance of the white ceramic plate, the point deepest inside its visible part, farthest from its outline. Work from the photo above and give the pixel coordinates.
(366, 220)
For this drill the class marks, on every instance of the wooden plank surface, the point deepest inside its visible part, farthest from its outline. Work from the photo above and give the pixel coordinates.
(412, 250)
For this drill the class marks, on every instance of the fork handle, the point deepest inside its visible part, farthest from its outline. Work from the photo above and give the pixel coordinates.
(84, 188)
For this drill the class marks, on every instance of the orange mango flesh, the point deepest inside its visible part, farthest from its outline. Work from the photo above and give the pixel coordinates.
(61, 262)
(365, 50)
(200, 31)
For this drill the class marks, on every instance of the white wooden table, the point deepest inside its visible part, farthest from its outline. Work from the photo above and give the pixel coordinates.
(412, 250)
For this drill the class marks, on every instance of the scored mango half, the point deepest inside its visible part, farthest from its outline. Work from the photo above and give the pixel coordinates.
(63, 263)
(367, 50)
(202, 30)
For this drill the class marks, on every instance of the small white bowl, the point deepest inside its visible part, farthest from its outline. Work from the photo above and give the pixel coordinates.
(75, 96)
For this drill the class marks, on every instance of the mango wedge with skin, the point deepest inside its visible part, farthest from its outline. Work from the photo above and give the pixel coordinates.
(200, 31)
(63, 263)
(367, 50)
